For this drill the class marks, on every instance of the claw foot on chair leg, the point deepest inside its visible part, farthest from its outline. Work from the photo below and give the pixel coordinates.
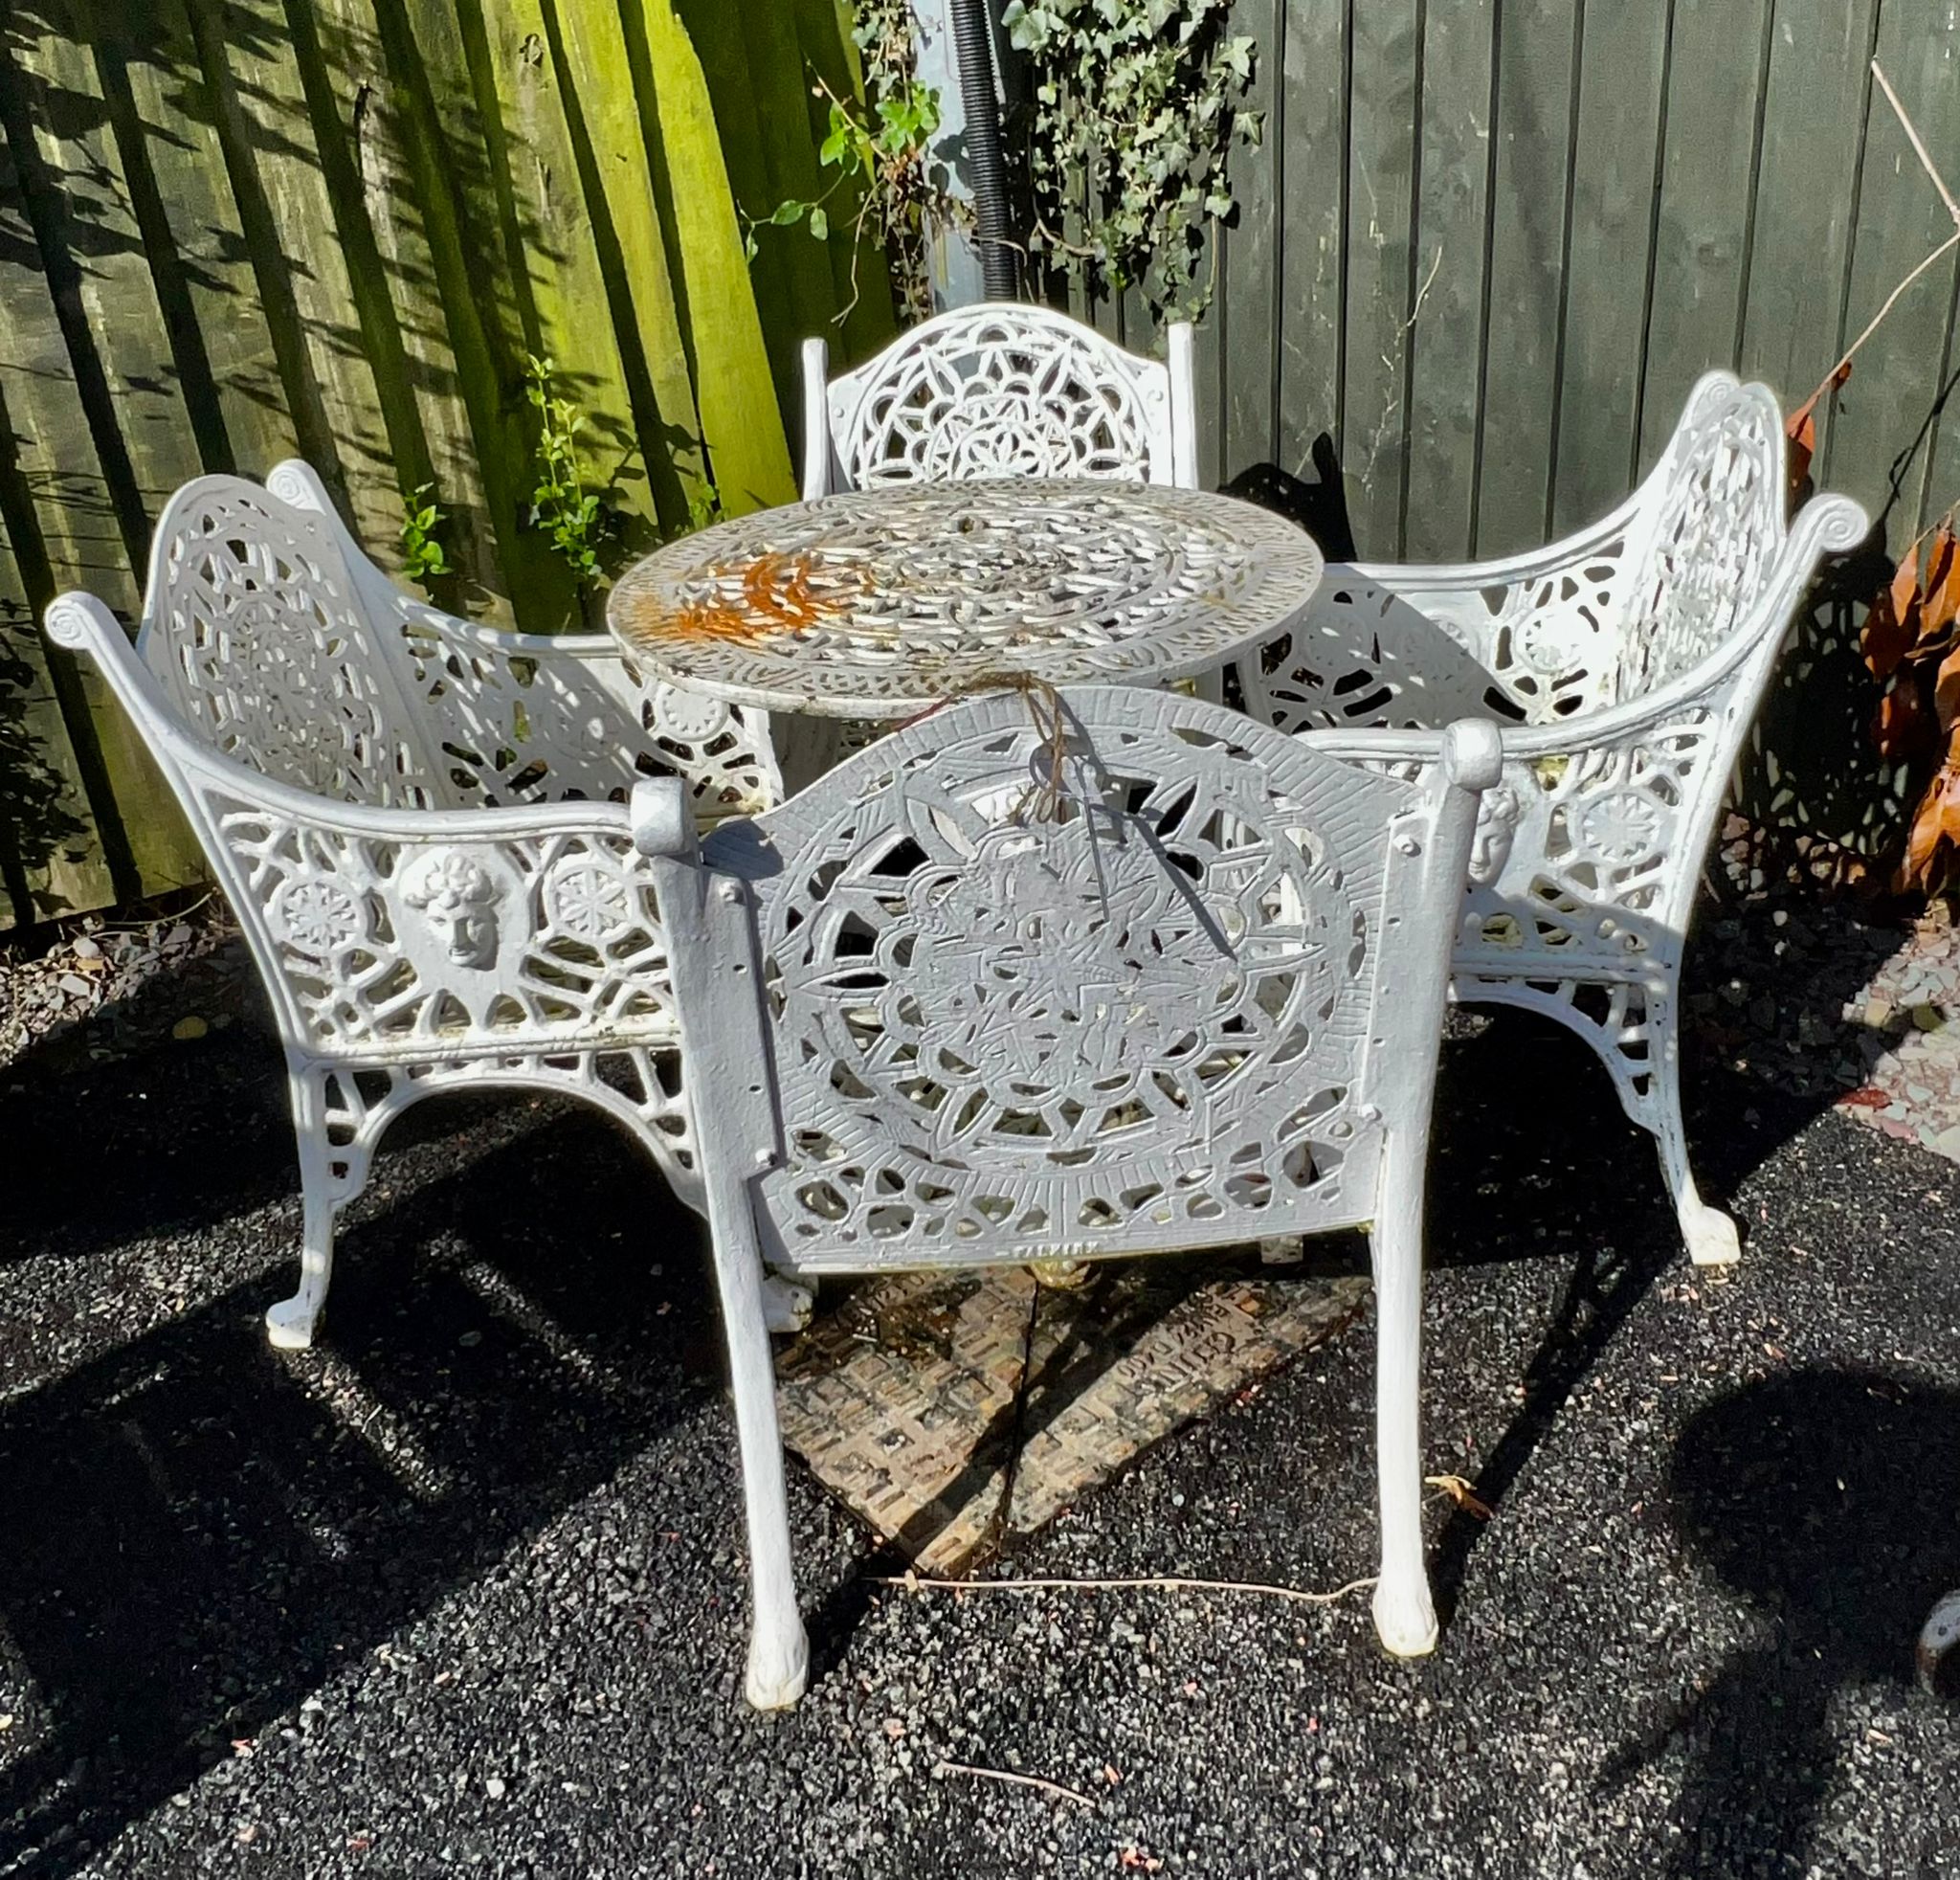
(786, 1306)
(1710, 1234)
(1405, 1616)
(291, 1323)
(778, 1666)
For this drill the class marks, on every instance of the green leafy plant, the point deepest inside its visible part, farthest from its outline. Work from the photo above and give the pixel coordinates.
(1138, 104)
(422, 550)
(577, 518)
(883, 161)
(704, 508)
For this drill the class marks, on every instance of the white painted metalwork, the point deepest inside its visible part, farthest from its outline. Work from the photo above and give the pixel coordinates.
(998, 987)
(1632, 658)
(1000, 389)
(267, 626)
(883, 603)
(368, 778)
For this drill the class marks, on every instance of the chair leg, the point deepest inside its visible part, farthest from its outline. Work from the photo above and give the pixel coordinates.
(1404, 1613)
(778, 1649)
(291, 1323)
(1710, 1234)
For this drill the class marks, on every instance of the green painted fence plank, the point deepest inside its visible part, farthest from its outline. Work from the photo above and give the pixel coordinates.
(605, 64)
(1701, 233)
(741, 425)
(566, 289)
(1615, 161)
(1384, 115)
(1446, 336)
(861, 279)
(1812, 129)
(177, 115)
(1249, 311)
(780, 73)
(1535, 57)
(1312, 141)
(451, 138)
(769, 161)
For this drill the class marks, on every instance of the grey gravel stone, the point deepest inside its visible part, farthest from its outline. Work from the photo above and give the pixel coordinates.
(325, 1599)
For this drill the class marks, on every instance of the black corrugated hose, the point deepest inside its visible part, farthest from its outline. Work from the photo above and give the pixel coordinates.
(971, 44)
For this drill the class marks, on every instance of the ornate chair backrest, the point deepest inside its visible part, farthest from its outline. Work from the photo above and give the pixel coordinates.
(255, 629)
(413, 938)
(1163, 978)
(1712, 538)
(1000, 391)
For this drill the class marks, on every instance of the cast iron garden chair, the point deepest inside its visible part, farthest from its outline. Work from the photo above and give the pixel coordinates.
(1631, 657)
(1000, 389)
(421, 826)
(983, 994)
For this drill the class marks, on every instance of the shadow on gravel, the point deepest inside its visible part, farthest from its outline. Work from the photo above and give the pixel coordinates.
(198, 1531)
(1831, 1498)
(112, 1131)
(1534, 1157)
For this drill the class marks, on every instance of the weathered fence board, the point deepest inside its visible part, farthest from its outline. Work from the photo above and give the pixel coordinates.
(232, 231)
(1509, 235)
(1446, 314)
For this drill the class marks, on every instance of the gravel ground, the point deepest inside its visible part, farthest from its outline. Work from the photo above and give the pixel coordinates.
(463, 1590)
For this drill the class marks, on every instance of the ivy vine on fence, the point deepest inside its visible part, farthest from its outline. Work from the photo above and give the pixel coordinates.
(1138, 104)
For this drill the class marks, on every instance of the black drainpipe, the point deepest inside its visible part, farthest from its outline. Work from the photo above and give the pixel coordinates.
(972, 38)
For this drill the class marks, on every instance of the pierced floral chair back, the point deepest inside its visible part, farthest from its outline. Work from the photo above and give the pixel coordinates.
(258, 638)
(1119, 989)
(1714, 526)
(270, 630)
(999, 391)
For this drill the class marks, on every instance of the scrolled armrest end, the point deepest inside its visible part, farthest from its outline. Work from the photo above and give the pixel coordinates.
(663, 816)
(1473, 753)
(76, 619)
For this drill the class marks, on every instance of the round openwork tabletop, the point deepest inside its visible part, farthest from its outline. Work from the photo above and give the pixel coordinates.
(883, 603)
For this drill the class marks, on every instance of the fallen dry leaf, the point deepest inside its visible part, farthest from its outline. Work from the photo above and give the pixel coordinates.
(1462, 1493)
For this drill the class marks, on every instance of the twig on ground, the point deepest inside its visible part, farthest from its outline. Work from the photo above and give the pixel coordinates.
(1058, 1790)
(1169, 1584)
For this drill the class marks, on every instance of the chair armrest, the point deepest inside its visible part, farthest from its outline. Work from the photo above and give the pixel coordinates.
(1538, 622)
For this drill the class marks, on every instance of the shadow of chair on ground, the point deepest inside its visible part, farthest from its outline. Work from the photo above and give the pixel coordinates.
(203, 1530)
(1534, 1157)
(1829, 1498)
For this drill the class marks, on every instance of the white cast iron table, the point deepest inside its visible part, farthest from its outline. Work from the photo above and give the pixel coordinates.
(884, 603)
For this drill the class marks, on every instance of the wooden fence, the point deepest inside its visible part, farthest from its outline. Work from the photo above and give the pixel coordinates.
(234, 231)
(1486, 245)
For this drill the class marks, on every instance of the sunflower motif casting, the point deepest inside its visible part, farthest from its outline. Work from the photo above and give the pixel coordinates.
(317, 916)
(687, 716)
(590, 901)
(1619, 827)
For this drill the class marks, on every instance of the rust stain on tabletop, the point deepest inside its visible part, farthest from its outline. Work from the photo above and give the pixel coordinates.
(767, 597)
